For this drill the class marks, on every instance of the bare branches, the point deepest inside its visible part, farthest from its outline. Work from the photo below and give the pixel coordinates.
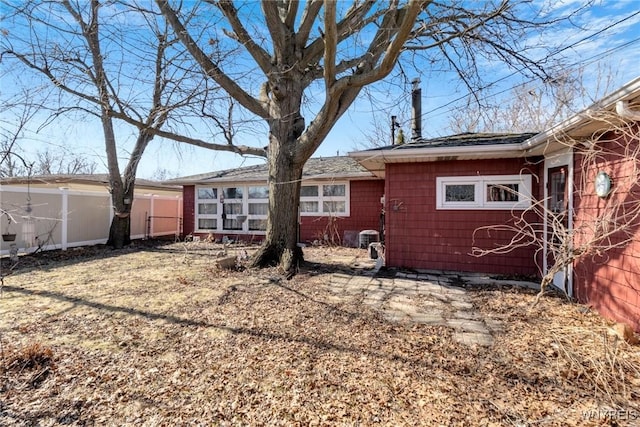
(242, 36)
(277, 29)
(209, 67)
(379, 60)
(605, 224)
(311, 11)
(330, 45)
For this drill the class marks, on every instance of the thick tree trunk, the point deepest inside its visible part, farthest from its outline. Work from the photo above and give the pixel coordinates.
(120, 232)
(280, 246)
(286, 157)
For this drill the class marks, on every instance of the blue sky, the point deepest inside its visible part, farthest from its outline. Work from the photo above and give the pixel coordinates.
(596, 45)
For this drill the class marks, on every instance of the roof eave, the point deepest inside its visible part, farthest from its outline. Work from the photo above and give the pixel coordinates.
(571, 128)
(374, 160)
(318, 177)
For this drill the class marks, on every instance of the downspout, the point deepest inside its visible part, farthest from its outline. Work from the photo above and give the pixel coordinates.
(623, 110)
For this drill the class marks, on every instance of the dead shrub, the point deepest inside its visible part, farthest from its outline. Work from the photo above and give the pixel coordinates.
(600, 360)
(34, 356)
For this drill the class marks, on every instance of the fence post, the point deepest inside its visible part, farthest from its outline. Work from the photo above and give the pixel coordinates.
(65, 217)
(147, 225)
(151, 214)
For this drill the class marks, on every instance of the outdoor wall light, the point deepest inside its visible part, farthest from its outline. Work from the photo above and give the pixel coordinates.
(603, 184)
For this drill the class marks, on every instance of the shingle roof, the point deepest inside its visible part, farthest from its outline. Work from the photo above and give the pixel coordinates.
(316, 167)
(462, 140)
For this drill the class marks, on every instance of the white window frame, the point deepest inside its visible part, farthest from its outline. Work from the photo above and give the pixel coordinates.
(250, 200)
(481, 201)
(198, 216)
(321, 198)
(242, 201)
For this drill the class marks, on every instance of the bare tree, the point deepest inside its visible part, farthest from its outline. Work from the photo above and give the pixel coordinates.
(15, 118)
(611, 224)
(19, 115)
(50, 163)
(113, 61)
(318, 59)
(532, 106)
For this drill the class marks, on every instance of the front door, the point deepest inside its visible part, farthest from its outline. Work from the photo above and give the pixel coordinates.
(557, 223)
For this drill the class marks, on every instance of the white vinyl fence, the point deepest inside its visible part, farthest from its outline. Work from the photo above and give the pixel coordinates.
(61, 218)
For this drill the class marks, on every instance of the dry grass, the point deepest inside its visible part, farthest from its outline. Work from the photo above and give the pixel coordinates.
(156, 335)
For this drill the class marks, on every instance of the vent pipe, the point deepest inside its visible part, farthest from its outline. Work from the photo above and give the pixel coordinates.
(416, 110)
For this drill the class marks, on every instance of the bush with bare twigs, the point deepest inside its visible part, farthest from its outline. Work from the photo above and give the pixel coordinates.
(612, 225)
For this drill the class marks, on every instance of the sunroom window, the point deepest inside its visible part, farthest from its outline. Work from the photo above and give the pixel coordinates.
(324, 199)
(207, 208)
(246, 208)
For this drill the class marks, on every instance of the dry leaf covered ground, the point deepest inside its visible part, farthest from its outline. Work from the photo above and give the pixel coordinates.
(158, 335)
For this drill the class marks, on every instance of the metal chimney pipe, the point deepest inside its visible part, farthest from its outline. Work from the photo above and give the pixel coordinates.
(393, 130)
(416, 110)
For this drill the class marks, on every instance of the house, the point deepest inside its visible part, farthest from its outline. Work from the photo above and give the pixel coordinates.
(438, 191)
(441, 194)
(437, 199)
(62, 211)
(603, 195)
(338, 199)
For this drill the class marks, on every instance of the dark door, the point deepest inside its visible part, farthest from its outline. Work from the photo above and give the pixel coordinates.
(558, 236)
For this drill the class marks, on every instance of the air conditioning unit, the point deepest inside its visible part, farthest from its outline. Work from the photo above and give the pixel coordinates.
(366, 237)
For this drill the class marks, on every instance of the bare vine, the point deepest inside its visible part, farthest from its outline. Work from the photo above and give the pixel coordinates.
(605, 223)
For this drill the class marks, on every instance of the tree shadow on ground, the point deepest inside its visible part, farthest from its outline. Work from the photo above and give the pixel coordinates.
(259, 333)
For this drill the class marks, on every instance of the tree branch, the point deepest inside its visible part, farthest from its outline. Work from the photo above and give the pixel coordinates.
(211, 69)
(261, 57)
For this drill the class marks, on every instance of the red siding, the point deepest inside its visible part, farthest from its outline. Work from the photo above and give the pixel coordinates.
(365, 210)
(188, 211)
(419, 236)
(610, 282)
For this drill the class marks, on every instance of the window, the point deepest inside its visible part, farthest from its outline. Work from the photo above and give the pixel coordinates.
(207, 193)
(307, 206)
(460, 193)
(207, 224)
(239, 208)
(233, 208)
(333, 207)
(309, 191)
(259, 192)
(502, 192)
(324, 199)
(232, 193)
(258, 208)
(245, 208)
(257, 224)
(333, 190)
(232, 224)
(207, 208)
(483, 192)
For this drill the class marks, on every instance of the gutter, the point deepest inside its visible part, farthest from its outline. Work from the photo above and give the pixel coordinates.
(512, 150)
(621, 96)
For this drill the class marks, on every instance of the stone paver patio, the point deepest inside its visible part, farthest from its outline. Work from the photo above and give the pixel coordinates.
(429, 298)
